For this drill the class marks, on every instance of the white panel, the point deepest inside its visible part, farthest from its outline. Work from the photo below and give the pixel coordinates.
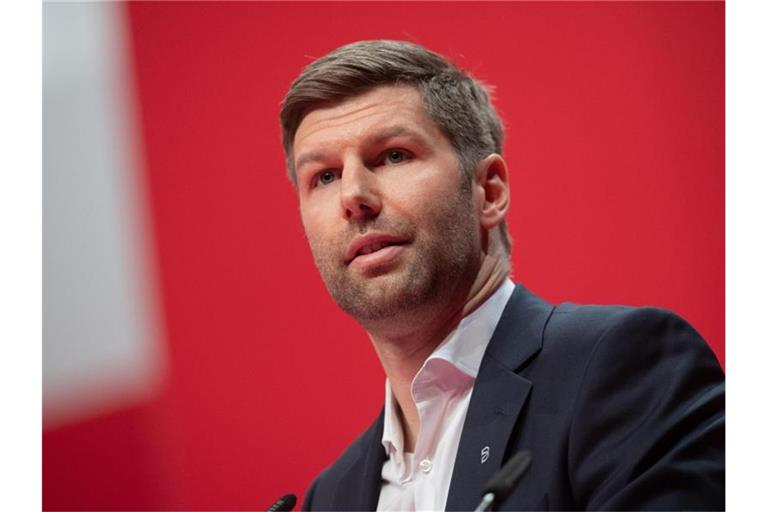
(101, 346)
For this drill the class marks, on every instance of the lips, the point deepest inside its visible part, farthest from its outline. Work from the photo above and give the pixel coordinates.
(368, 244)
(368, 249)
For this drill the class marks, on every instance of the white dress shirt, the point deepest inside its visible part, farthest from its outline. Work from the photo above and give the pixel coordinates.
(441, 390)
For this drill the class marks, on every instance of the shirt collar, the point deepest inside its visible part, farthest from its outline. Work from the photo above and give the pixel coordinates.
(462, 349)
(465, 346)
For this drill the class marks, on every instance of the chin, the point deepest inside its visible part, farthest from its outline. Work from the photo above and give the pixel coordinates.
(387, 295)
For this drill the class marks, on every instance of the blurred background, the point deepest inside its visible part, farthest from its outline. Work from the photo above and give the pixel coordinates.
(191, 356)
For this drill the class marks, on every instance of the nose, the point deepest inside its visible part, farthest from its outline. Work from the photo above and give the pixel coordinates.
(360, 198)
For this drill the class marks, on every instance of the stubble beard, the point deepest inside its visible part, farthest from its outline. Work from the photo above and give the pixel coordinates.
(440, 260)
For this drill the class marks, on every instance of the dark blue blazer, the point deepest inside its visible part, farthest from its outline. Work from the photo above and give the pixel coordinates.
(621, 408)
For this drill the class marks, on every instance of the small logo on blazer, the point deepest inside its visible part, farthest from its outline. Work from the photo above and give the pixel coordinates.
(484, 454)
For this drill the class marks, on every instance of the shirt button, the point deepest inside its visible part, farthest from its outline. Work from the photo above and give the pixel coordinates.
(425, 465)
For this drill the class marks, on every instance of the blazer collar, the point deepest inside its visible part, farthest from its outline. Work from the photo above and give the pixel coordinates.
(520, 331)
(498, 397)
(361, 483)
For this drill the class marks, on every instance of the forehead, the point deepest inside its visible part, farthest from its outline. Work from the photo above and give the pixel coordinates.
(376, 109)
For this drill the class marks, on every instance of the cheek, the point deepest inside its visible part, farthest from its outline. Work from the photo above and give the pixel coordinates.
(320, 249)
(319, 234)
(317, 242)
(422, 193)
(313, 219)
(438, 178)
(413, 192)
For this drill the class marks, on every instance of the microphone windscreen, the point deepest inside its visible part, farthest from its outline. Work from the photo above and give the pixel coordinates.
(503, 482)
(284, 504)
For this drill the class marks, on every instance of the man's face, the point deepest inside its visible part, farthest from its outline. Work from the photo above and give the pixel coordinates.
(389, 216)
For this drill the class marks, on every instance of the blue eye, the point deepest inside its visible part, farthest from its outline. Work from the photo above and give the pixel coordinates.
(326, 177)
(395, 156)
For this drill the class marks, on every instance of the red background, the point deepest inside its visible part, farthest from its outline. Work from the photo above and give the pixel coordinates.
(615, 141)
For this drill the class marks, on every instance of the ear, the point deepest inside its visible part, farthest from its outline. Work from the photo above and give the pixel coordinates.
(492, 179)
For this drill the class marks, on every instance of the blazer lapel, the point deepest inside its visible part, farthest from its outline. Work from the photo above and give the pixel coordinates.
(359, 488)
(498, 397)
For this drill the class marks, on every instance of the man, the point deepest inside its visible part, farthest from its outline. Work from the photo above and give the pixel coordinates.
(396, 157)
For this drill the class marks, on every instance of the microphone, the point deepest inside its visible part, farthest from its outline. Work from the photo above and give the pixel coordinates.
(500, 486)
(284, 504)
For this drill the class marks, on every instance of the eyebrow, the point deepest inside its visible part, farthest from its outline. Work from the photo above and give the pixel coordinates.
(377, 138)
(312, 156)
(395, 131)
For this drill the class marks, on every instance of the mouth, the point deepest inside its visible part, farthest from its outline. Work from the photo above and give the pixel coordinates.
(371, 248)
(376, 246)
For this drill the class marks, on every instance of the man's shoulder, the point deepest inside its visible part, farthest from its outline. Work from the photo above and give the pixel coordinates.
(576, 338)
(349, 465)
(617, 349)
(620, 399)
(589, 322)
(528, 315)
(643, 395)
(584, 323)
(359, 447)
(625, 327)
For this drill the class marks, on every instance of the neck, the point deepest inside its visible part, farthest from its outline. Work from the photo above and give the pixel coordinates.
(405, 342)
